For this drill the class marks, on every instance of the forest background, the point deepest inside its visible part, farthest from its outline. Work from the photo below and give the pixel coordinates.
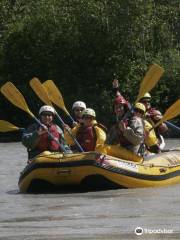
(83, 45)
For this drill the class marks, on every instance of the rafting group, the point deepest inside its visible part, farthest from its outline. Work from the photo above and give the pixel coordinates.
(131, 138)
(136, 134)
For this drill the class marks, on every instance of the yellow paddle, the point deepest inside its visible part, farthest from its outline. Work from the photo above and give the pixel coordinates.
(56, 96)
(16, 98)
(41, 92)
(172, 112)
(149, 81)
(6, 126)
(151, 78)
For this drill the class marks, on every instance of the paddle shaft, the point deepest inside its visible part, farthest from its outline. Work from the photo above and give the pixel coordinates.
(172, 125)
(71, 118)
(168, 123)
(69, 132)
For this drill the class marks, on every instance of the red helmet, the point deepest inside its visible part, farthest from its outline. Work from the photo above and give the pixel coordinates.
(120, 100)
(154, 114)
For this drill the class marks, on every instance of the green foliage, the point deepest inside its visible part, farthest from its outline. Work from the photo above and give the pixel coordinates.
(82, 45)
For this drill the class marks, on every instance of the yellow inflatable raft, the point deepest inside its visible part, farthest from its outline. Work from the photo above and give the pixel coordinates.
(92, 170)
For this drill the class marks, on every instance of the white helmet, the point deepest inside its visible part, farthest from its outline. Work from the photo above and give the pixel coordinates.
(79, 104)
(46, 108)
(89, 112)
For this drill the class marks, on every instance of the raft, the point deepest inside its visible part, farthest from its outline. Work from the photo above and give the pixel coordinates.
(92, 170)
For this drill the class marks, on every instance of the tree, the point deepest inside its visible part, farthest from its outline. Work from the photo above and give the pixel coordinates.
(82, 45)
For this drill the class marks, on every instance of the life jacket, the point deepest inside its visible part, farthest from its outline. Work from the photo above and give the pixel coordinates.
(46, 143)
(86, 136)
(150, 135)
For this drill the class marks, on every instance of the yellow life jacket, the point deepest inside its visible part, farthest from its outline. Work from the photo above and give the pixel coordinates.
(150, 136)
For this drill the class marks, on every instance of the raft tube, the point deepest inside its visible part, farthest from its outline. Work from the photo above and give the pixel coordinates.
(52, 171)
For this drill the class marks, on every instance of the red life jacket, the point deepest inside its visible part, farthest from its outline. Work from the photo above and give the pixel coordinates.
(122, 140)
(86, 137)
(45, 143)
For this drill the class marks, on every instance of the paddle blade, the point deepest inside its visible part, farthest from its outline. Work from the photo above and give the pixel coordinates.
(7, 126)
(15, 97)
(172, 112)
(149, 81)
(40, 91)
(55, 95)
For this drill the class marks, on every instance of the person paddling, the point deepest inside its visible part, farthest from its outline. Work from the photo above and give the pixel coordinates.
(153, 116)
(36, 137)
(90, 134)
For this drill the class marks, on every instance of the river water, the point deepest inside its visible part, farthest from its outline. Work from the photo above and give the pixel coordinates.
(111, 214)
